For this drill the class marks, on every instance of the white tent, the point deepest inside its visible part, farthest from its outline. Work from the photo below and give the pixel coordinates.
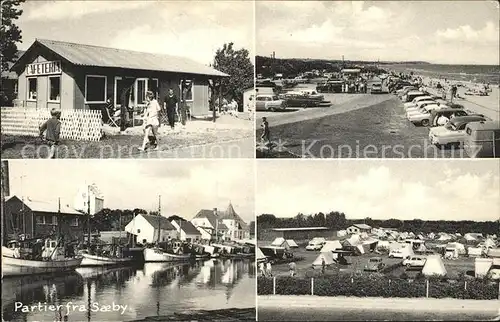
(489, 243)
(411, 235)
(280, 242)
(292, 243)
(431, 235)
(383, 244)
(259, 255)
(354, 240)
(474, 251)
(421, 237)
(407, 250)
(444, 237)
(451, 253)
(331, 245)
(327, 256)
(342, 233)
(422, 248)
(434, 266)
(360, 249)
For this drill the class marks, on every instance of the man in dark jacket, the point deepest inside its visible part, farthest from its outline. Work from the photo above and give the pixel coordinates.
(169, 106)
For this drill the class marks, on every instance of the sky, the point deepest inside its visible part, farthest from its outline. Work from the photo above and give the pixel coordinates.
(185, 186)
(194, 30)
(447, 32)
(381, 189)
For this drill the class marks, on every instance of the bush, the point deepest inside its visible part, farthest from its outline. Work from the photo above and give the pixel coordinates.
(374, 285)
(264, 285)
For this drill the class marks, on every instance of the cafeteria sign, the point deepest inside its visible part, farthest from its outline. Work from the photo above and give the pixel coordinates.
(44, 68)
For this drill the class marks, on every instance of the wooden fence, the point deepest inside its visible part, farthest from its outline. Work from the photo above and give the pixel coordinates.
(81, 125)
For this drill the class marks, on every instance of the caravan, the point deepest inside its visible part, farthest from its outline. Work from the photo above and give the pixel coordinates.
(316, 243)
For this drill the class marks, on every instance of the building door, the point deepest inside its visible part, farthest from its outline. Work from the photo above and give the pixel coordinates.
(41, 95)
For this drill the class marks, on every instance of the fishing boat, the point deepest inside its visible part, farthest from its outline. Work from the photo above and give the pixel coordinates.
(174, 253)
(96, 260)
(53, 260)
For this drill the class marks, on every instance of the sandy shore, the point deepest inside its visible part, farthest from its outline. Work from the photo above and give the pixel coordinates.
(374, 303)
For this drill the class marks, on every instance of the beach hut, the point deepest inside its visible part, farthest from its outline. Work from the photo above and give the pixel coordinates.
(280, 242)
(434, 266)
(259, 255)
(331, 245)
(292, 243)
(327, 256)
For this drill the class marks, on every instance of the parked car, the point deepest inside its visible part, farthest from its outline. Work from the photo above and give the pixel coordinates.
(316, 243)
(376, 88)
(420, 104)
(414, 261)
(448, 112)
(418, 99)
(423, 110)
(398, 253)
(330, 87)
(268, 102)
(404, 90)
(453, 132)
(482, 139)
(412, 95)
(299, 100)
(312, 94)
(374, 264)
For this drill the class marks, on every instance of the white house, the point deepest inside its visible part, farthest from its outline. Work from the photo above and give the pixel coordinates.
(238, 228)
(210, 225)
(186, 231)
(359, 228)
(145, 228)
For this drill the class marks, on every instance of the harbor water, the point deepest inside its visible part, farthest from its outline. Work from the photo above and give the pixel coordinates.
(130, 293)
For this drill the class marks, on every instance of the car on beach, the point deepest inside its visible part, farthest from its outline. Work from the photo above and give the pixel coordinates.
(403, 91)
(453, 132)
(268, 102)
(414, 262)
(448, 113)
(426, 98)
(374, 264)
(424, 110)
(411, 95)
(420, 104)
(376, 88)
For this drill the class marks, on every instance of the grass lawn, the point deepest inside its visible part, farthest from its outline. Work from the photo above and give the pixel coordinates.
(116, 146)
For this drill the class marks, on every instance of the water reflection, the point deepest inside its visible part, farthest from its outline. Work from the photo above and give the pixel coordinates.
(154, 289)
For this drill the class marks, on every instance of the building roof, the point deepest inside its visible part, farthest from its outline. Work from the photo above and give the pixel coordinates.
(230, 213)
(362, 226)
(300, 228)
(187, 227)
(164, 223)
(46, 206)
(209, 214)
(89, 55)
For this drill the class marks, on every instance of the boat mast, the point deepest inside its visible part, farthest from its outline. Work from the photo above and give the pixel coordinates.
(88, 217)
(159, 219)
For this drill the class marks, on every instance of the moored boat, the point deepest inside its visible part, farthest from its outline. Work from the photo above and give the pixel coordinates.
(156, 254)
(96, 260)
(18, 267)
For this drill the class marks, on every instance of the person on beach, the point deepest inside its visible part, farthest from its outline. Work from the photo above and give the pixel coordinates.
(169, 106)
(265, 137)
(52, 129)
(151, 122)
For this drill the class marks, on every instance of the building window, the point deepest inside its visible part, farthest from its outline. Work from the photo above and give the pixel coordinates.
(189, 93)
(55, 89)
(118, 91)
(46, 220)
(154, 87)
(141, 86)
(32, 89)
(95, 89)
(74, 222)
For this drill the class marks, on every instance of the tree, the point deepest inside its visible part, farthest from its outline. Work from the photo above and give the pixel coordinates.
(237, 64)
(10, 35)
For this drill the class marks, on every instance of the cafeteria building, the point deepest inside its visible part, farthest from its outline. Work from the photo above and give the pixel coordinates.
(56, 74)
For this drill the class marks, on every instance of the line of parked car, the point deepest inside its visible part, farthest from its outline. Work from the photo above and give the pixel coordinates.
(450, 124)
(299, 98)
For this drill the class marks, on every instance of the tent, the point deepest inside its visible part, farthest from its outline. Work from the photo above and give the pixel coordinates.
(331, 245)
(342, 233)
(444, 237)
(451, 253)
(383, 244)
(431, 235)
(421, 237)
(422, 248)
(360, 249)
(411, 235)
(280, 242)
(354, 240)
(259, 255)
(458, 246)
(327, 256)
(489, 243)
(292, 243)
(474, 251)
(434, 266)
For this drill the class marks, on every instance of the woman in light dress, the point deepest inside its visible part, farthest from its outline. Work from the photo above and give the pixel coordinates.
(151, 123)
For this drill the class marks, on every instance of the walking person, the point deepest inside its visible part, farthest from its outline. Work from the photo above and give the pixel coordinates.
(52, 129)
(292, 268)
(262, 269)
(151, 122)
(265, 137)
(269, 269)
(170, 105)
(323, 265)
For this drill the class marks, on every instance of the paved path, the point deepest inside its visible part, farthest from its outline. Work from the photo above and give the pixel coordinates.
(240, 148)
